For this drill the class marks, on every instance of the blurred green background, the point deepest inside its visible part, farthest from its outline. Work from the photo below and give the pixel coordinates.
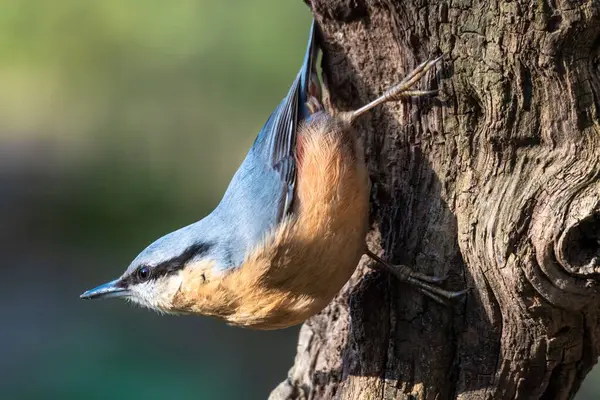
(120, 121)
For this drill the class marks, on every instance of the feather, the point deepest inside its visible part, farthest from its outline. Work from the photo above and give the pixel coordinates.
(262, 191)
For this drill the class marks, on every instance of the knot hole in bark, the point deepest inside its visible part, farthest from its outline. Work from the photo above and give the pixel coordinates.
(568, 250)
(579, 247)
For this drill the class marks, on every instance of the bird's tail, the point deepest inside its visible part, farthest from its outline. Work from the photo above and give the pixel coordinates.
(310, 85)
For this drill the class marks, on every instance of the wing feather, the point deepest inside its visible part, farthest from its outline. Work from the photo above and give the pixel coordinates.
(281, 132)
(262, 191)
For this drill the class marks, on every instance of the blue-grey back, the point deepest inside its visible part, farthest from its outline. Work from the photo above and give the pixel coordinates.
(262, 191)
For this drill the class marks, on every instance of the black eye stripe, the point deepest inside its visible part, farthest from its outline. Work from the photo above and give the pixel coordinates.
(177, 263)
(167, 267)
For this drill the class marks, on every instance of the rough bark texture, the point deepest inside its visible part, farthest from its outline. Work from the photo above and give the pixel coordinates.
(495, 184)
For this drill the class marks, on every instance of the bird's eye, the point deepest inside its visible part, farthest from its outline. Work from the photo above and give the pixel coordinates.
(143, 273)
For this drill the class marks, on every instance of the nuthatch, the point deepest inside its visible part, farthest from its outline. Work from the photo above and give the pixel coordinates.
(290, 229)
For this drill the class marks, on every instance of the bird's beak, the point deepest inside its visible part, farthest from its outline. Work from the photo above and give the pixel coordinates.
(106, 291)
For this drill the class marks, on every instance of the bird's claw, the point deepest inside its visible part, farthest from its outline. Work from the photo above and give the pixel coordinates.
(425, 284)
(402, 89)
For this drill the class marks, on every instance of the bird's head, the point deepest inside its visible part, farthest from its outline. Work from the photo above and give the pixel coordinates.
(155, 276)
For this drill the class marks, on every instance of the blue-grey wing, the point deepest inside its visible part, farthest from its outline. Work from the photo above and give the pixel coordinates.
(262, 191)
(277, 139)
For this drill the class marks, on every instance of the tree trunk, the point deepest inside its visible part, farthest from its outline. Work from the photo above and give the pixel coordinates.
(494, 184)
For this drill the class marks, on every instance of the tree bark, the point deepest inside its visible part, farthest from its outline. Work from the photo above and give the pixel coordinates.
(494, 184)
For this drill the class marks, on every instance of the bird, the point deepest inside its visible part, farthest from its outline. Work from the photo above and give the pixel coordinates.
(290, 229)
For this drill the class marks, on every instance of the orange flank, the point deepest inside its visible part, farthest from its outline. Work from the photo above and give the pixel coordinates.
(301, 265)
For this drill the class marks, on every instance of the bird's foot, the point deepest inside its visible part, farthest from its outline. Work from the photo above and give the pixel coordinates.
(426, 284)
(402, 89)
